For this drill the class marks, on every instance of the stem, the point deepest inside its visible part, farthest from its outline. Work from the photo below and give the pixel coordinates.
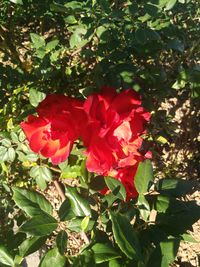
(59, 190)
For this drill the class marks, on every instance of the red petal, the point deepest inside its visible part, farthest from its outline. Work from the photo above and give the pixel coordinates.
(50, 148)
(62, 154)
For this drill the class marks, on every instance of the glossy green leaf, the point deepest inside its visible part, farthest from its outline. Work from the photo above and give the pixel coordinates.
(39, 225)
(85, 222)
(65, 212)
(144, 207)
(116, 187)
(5, 257)
(144, 176)
(53, 258)
(61, 241)
(104, 252)
(31, 245)
(125, 236)
(33, 203)
(79, 205)
(75, 225)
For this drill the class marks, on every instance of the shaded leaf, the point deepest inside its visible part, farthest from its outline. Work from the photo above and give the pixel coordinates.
(31, 245)
(53, 258)
(174, 187)
(116, 187)
(61, 241)
(104, 252)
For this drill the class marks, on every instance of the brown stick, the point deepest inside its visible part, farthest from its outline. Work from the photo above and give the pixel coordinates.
(59, 190)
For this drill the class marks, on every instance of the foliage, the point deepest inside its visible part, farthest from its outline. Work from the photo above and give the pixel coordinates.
(73, 48)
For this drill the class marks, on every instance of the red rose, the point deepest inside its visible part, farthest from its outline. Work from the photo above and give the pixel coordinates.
(115, 124)
(53, 132)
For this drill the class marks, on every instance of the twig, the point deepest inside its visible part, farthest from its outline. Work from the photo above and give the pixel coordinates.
(85, 238)
(59, 190)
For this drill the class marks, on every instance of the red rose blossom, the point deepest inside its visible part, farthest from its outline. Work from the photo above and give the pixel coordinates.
(112, 136)
(53, 132)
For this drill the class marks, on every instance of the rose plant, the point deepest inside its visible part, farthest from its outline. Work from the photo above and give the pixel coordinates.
(112, 129)
(83, 161)
(116, 206)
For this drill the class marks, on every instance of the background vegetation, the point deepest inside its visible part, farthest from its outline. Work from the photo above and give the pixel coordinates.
(73, 48)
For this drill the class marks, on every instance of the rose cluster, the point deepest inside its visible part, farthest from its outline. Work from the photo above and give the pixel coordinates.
(109, 123)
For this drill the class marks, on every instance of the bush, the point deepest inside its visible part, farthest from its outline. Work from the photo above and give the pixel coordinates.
(75, 48)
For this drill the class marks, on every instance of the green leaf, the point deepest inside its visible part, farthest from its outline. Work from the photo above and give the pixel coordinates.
(162, 203)
(5, 257)
(174, 187)
(11, 154)
(65, 212)
(31, 245)
(39, 225)
(170, 4)
(35, 97)
(75, 225)
(169, 249)
(189, 238)
(52, 44)
(97, 183)
(79, 205)
(176, 44)
(70, 19)
(144, 207)
(18, 2)
(41, 172)
(86, 259)
(3, 153)
(61, 241)
(53, 258)
(37, 41)
(77, 40)
(58, 8)
(104, 252)
(144, 36)
(144, 176)
(71, 171)
(85, 222)
(6, 142)
(125, 236)
(116, 187)
(41, 183)
(31, 202)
